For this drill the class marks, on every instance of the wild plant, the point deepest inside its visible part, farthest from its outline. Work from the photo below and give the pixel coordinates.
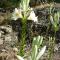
(26, 13)
(37, 50)
(54, 21)
(51, 48)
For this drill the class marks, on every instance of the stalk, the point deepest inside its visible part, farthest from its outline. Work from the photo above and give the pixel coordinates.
(51, 48)
(23, 37)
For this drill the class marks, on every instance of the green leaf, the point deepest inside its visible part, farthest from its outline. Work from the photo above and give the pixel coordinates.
(41, 53)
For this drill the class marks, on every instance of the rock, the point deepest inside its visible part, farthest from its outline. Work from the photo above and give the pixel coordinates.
(1, 41)
(8, 54)
(7, 28)
(56, 48)
(8, 36)
(3, 50)
(1, 19)
(1, 32)
(15, 50)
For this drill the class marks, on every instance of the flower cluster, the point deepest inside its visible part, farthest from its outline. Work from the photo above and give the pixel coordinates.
(18, 13)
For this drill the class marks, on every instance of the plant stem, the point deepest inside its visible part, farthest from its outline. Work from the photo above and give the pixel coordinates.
(51, 48)
(23, 37)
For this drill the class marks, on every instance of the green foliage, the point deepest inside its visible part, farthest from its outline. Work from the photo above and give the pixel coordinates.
(54, 18)
(24, 12)
(37, 42)
(24, 5)
(55, 21)
(37, 51)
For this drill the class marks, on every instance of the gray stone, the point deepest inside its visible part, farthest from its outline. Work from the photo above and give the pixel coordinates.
(7, 35)
(7, 28)
(1, 41)
(1, 32)
(8, 38)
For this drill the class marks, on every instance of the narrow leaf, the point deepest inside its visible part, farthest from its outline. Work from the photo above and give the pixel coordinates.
(41, 52)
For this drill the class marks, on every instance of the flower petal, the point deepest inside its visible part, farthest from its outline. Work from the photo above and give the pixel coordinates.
(32, 17)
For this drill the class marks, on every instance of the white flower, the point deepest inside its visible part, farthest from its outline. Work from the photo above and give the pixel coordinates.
(32, 17)
(17, 14)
